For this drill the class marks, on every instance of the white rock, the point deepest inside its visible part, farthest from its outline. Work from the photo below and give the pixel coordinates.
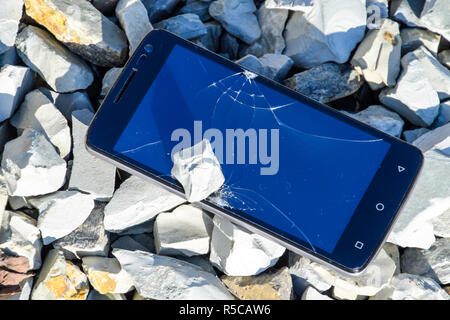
(137, 201)
(187, 26)
(276, 66)
(160, 277)
(38, 113)
(133, 18)
(305, 275)
(109, 79)
(62, 70)
(443, 116)
(413, 38)
(406, 11)
(198, 171)
(435, 16)
(238, 252)
(381, 118)
(441, 225)
(393, 252)
(15, 82)
(89, 173)
(294, 5)
(61, 212)
(411, 135)
(444, 58)
(312, 294)
(378, 56)
(19, 236)
(106, 275)
(10, 16)
(31, 165)
(128, 243)
(185, 231)
(329, 32)
(435, 138)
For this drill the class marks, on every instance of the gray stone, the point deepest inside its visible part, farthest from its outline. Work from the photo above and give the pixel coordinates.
(407, 11)
(137, 201)
(89, 239)
(160, 9)
(109, 79)
(312, 294)
(294, 5)
(411, 135)
(144, 227)
(106, 7)
(199, 8)
(304, 274)
(38, 113)
(272, 66)
(329, 32)
(159, 277)
(378, 56)
(432, 263)
(62, 70)
(82, 28)
(238, 18)
(435, 17)
(146, 240)
(187, 26)
(441, 225)
(15, 82)
(10, 16)
(200, 261)
(17, 203)
(211, 40)
(444, 58)
(134, 20)
(413, 38)
(31, 165)
(229, 45)
(9, 57)
(381, 118)
(327, 82)
(128, 243)
(89, 173)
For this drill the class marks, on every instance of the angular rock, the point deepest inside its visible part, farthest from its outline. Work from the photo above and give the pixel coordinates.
(305, 275)
(9, 278)
(106, 7)
(294, 5)
(199, 261)
(19, 236)
(434, 139)
(160, 9)
(327, 82)
(441, 225)
(329, 32)
(432, 263)
(211, 40)
(378, 56)
(88, 239)
(237, 252)
(144, 227)
(393, 252)
(89, 173)
(444, 115)
(60, 279)
(82, 28)
(411, 135)
(199, 8)
(9, 57)
(128, 243)
(413, 38)
(380, 118)
(198, 171)
(10, 16)
(61, 212)
(31, 165)
(270, 285)
(61, 70)
(272, 66)
(160, 277)
(14, 263)
(106, 275)
(109, 79)
(38, 113)
(407, 12)
(187, 26)
(434, 16)
(238, 18)
(134, 20)
(25, 290)
(184, 231)
(444, 58)
(229, 45)
(137, 201)
(312, 294)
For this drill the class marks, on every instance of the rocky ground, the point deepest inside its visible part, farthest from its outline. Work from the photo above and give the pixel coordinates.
(75, 227)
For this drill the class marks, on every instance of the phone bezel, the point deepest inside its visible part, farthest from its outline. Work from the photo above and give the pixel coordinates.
(102, 136)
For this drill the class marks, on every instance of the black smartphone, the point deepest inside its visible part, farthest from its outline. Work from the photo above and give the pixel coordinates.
(296, 171)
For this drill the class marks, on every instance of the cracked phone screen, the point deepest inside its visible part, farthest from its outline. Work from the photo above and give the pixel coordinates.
(301, 172)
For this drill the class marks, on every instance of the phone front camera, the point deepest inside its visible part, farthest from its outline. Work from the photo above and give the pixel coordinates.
(148, 48)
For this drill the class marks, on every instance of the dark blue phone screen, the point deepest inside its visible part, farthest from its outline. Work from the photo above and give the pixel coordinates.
(291, 166)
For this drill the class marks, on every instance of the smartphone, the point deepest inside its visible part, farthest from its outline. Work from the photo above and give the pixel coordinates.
(296, 171)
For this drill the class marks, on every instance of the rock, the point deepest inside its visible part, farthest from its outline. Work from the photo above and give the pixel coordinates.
(443, 116)
(413, 38)
(238, 18)
(312, 294)
(229, 45)
(381, 119)
(393, 252)
(434, 16)
(441, 225)
(25, 290)
(82, 28)
(211, 40)
(31, 165)
(237, 252)
(137, 201)
(327, 82)
(15, 82)
(106, 275)
(432, 263)
(88, 239)
(411, 135)
(187, 26)
(184, 231)
(19, 236)
(272, 22)
(294, 5)
(61, 212)
(199, 261)
(411, 287)
(304, 274)
(199, 8)
(17, 203)
(60, 279)
(62, 70)
(106, 7)
(128, 243)
(406, 11)
(444, 58)
(7, 133)
(38, 113)
(272, 66)
(9, 57)
(378, 56)
(160, 9)
(270, 285)
(198, 171)
(10, 278)
(10, 16)
(144, 227)
(414, 96)
(329, 32)
(251, 63)
(434, 139)
(14, 263)
(89, 173)
(134, 20)
(160, 277)
(94, 295)
(109, 79)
